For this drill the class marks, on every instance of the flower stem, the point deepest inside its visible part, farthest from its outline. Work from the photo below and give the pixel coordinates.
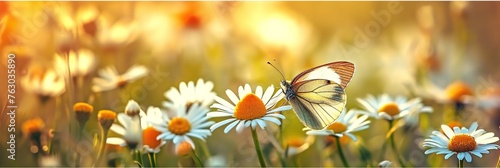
(341, 153)
(393, 145)
(257, 148)
(196, 159)
(460, 163)
(152, 159)
(102, 146)
(138, 157)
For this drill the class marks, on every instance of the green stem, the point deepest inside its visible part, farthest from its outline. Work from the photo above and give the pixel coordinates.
(341, 153)
(196, 159)
(79, 139)
(393, 145)
(152, 159)
(138, 156)
(102, 146)
(257, 148)
(204, 149)
(461, 163)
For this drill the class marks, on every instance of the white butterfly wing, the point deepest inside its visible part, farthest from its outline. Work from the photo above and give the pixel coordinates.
(339, 72)
(318, 102)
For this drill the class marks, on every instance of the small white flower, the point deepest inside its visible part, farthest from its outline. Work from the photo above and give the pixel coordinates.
(44, 83)
(249, 109)
(132, 108)
(116, 34)
(136, 130)
(110, 79)
(190, 93)
(388, 108)
(131, 131)
(413, 116)
(80, 63)
(184, 125)
(461, 141)
(346, 124)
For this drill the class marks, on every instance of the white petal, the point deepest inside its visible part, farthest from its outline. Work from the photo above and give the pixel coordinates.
(267, 94)
(240, 126)
(116, 141)
(223, 102)
(258, 92)
(118, 129)
(261, 123)
(231, 126)
(232, 96)
(468, 157)
(224, 122)
(219, 114)
(447, 130)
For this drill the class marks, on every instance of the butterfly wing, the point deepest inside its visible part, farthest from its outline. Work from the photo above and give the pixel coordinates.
(318, 102)
(339, 72)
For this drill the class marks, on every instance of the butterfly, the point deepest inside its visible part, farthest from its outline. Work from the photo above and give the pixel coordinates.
(317, 95)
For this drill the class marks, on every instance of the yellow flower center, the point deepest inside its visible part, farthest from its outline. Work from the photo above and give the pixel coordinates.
(121, 82)
(179, 126)
(249, 108)
(390, 108)
(83, 107)
(457, 90)
(149, 137)
(184, 149)
(33, 125)
(337, 127)
(106, 115)
(106, 118)
(462, 143)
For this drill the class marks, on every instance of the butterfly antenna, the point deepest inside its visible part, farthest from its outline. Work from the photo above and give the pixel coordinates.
(280, 70)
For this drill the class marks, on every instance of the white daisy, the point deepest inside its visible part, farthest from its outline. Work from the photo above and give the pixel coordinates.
(184, 125)
(189, 93)
(117, 34)
(44, 83)
(389, 108)
(80, 63)
(250, 109)
(413, 116)
(461, 141)
(110, 79)
(130, 129)
(135, 133)
(346, 124)
(297, 145)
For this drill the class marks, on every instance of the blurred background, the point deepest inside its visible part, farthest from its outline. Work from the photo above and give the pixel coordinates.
(400, 48)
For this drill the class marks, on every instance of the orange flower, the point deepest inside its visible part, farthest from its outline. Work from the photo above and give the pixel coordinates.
(457, 90)
(149, 139)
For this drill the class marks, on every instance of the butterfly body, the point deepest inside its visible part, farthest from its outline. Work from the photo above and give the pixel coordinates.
(317, 95)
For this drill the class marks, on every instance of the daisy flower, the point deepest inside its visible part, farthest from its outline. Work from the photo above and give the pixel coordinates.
(80, 63)
(390, 108)
(130, 128)
(184, 125)
(249, 109)
(45, 83)
(189, 93)
(297, 145)
(346, 124)
(413, 116)
(461, 141)
(110, 79)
